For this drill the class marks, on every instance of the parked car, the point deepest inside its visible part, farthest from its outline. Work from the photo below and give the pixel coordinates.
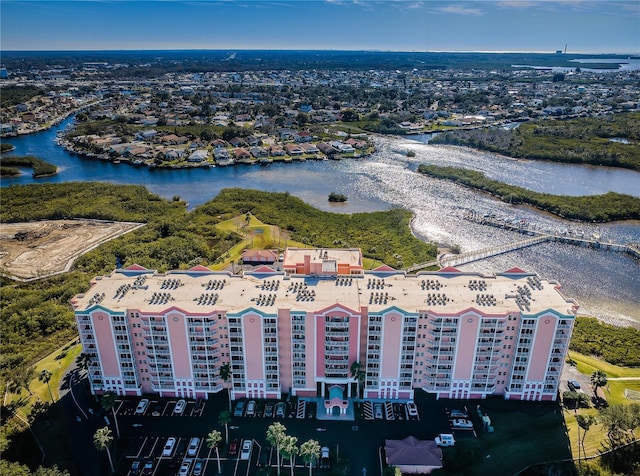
(194, 444)
(325, 462)
(246, 449)
(281, 407)
(239, 411)
(412, 409)
(136, 466)
(184, 469)
(168, 446)
(233, 447)
(377, 411)
(458, 414)
(445, 439)
(251, 408)
(180, 406)
(462, 423)
(142, 406)
(268, 410)
(573, 385)
(148, 467)
(198, 467)
(156, 409)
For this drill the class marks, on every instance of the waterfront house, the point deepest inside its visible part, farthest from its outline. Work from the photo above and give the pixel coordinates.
(199, 155)
(309, 148)
(326, 149)
(276, 151)
(258, 152)
(341, 147)
(293, 149)
(241, 155)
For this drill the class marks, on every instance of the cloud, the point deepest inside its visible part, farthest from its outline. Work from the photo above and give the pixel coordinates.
(460, 10)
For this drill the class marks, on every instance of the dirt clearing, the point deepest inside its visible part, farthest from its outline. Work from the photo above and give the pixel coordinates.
(39, 249)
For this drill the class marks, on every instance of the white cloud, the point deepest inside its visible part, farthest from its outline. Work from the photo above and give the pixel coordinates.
(460, 10)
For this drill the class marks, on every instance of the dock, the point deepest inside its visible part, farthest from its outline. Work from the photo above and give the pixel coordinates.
(535, 237)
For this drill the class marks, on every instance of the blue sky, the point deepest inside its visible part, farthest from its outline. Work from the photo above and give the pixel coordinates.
(587, 26)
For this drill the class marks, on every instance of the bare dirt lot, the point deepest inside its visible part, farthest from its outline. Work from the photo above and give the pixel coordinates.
(35, 250)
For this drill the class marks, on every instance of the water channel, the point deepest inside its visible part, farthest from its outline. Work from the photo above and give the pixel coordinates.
(606, 284)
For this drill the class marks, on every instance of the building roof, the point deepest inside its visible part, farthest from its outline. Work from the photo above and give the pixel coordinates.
(412, 455)
(441, 292)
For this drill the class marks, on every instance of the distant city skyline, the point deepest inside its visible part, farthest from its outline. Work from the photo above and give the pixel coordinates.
(585, 26)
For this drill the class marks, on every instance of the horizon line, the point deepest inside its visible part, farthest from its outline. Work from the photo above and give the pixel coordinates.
(558, 52)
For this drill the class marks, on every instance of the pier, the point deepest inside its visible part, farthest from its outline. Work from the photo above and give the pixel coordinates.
(523, 227)
(464, 258)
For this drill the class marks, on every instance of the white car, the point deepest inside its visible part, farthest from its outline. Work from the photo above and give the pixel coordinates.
(168, 447)
(458, 414)
(445, 439)
(194, 443)
(180, 406)
(377, 410)
(251, 408)
(245, 453)
(462, 424)
(186, 466)
(412, 409)
(142, 406)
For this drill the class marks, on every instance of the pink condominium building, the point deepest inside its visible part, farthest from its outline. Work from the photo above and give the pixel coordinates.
(300, 330)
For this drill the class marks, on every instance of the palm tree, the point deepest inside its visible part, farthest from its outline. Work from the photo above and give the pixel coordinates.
(598, 379)
(290, 449)
(102, 439)
(276, 436)
(45, 376)
(225, 375)
(585, 422)
(224, 418)
(358, 373)
(310, 452)
(213, 439)
(108, 403)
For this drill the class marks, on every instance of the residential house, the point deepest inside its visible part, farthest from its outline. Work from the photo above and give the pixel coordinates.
(241, 155)
(276, 151)
(199, 155)
(293, 149)
(258, 152)
(309, 148)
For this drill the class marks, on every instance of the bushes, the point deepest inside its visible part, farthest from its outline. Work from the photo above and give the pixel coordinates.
(616, 345)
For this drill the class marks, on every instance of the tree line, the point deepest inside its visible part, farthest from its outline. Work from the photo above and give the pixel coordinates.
(581, 141)
(614, 344)
(608, 207)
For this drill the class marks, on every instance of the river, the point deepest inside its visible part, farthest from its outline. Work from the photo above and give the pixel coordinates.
(606, 284)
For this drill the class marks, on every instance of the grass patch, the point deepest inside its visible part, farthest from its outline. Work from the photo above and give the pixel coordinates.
(587, 365)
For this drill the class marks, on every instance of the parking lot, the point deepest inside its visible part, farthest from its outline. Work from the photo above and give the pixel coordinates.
(356, 442)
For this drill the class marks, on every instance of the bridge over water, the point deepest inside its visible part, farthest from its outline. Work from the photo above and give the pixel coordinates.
(536, 237)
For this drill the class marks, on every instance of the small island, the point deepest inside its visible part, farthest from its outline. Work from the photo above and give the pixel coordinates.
(337, 197)
(40, 167)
